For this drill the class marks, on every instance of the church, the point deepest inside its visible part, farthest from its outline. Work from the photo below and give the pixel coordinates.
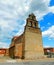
(29, 44)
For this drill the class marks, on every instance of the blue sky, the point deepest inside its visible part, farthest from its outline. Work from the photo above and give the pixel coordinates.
(13, 14)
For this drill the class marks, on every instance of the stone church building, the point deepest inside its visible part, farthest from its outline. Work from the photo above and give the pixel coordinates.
(29, 44)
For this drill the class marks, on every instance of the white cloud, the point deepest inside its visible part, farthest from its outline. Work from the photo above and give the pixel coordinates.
(20, 32)
(49, 32)
(47, 46)
(51, 9)
(4, 45)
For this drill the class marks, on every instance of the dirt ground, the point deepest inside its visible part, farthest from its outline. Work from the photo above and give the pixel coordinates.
(8, 59)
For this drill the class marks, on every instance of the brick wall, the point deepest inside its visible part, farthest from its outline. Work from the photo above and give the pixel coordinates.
(48, 50)
(3, 52)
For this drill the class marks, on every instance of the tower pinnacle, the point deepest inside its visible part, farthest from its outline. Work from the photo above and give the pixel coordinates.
(31, 21)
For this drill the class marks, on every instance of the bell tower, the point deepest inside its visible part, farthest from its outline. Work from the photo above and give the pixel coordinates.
(33, 39)
(31, 21)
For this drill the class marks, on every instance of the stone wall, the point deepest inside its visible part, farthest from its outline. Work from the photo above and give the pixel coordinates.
(11, 51)
(33, 43)
(17, 50)
(7, 52)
